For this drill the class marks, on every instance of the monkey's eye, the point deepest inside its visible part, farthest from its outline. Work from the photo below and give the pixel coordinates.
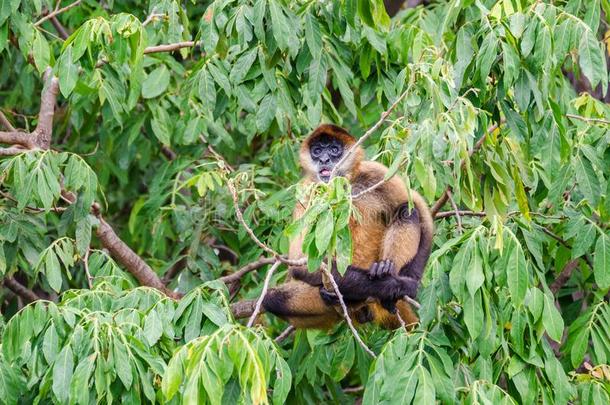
(334, 150)
(316, 151)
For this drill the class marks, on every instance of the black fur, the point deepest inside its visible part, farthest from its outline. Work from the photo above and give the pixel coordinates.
(356, 285)
(404, 214)
(276, 302)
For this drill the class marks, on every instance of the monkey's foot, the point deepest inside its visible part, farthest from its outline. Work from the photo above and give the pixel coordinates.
(381, 269)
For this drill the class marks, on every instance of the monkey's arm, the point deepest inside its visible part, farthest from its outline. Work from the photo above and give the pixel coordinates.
(357, 285)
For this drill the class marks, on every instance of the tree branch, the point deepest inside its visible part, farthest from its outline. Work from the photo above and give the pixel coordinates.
(287, 332)
(445, 196)
(170, 47)
(12, 151)
(259, 302)
(61, 30)
(445, 214)
(128, 258)
(253, 236)
(7, 124)
(56, 12)
(564, 276)
(243, 309)
(233, 277)
(588, 119)
(48, 99)
(21, 290)
(18, 138)
(346, 316)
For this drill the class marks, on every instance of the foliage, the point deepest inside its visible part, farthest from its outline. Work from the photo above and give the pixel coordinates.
(152, 136)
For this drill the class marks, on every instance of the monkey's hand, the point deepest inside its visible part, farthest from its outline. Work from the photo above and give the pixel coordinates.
(381, 269)
(329, 297)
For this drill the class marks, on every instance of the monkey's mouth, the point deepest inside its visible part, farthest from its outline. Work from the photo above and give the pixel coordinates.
(324, 174)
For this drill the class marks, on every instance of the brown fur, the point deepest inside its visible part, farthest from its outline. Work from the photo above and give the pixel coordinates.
(377, 235)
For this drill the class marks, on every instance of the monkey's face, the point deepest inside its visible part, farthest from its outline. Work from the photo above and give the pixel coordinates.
(325, 152)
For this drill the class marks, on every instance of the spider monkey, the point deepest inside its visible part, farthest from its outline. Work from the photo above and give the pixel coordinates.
(391, 243)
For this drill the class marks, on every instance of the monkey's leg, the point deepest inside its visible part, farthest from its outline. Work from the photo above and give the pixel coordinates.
(300, 304)
(401, 245)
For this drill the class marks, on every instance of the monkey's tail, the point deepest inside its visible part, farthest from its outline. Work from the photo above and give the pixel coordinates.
(415, 268)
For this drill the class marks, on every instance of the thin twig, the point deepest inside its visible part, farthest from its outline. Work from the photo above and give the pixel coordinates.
(159, 48)
(412, 302)
(7, 124)
(287, 332)
(247, 269)
(259, 302)
(152, 17)
(402, 321)
(86, 265)
(458, 218)
(56, 12)
(444, 197)
(348, 319)
(463, 213)
(588, 119)
(368, 133)
(251, 233)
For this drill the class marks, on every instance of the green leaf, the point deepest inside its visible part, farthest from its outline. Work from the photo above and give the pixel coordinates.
(592, 60)
(62, 374)
(313, 36)
(517, 276)
(68, 72)
(50, 344)
(552, 320)
(207, 90)
(473, 314)
(266, 113)
(474, 273)
(586, 178)
(41, 51)
(601, 262)
(79, 386)
(153, 328)
(242, 66)
(317, 77)
(156, 82)
(53, 271)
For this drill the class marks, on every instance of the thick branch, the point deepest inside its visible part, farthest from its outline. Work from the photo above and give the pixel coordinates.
(243, 309)
(56, 12)
(564, 276)
(17, 138)
(12, 151)
(21, 290)
(61, 30)
(48, 99)
(128, 258)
